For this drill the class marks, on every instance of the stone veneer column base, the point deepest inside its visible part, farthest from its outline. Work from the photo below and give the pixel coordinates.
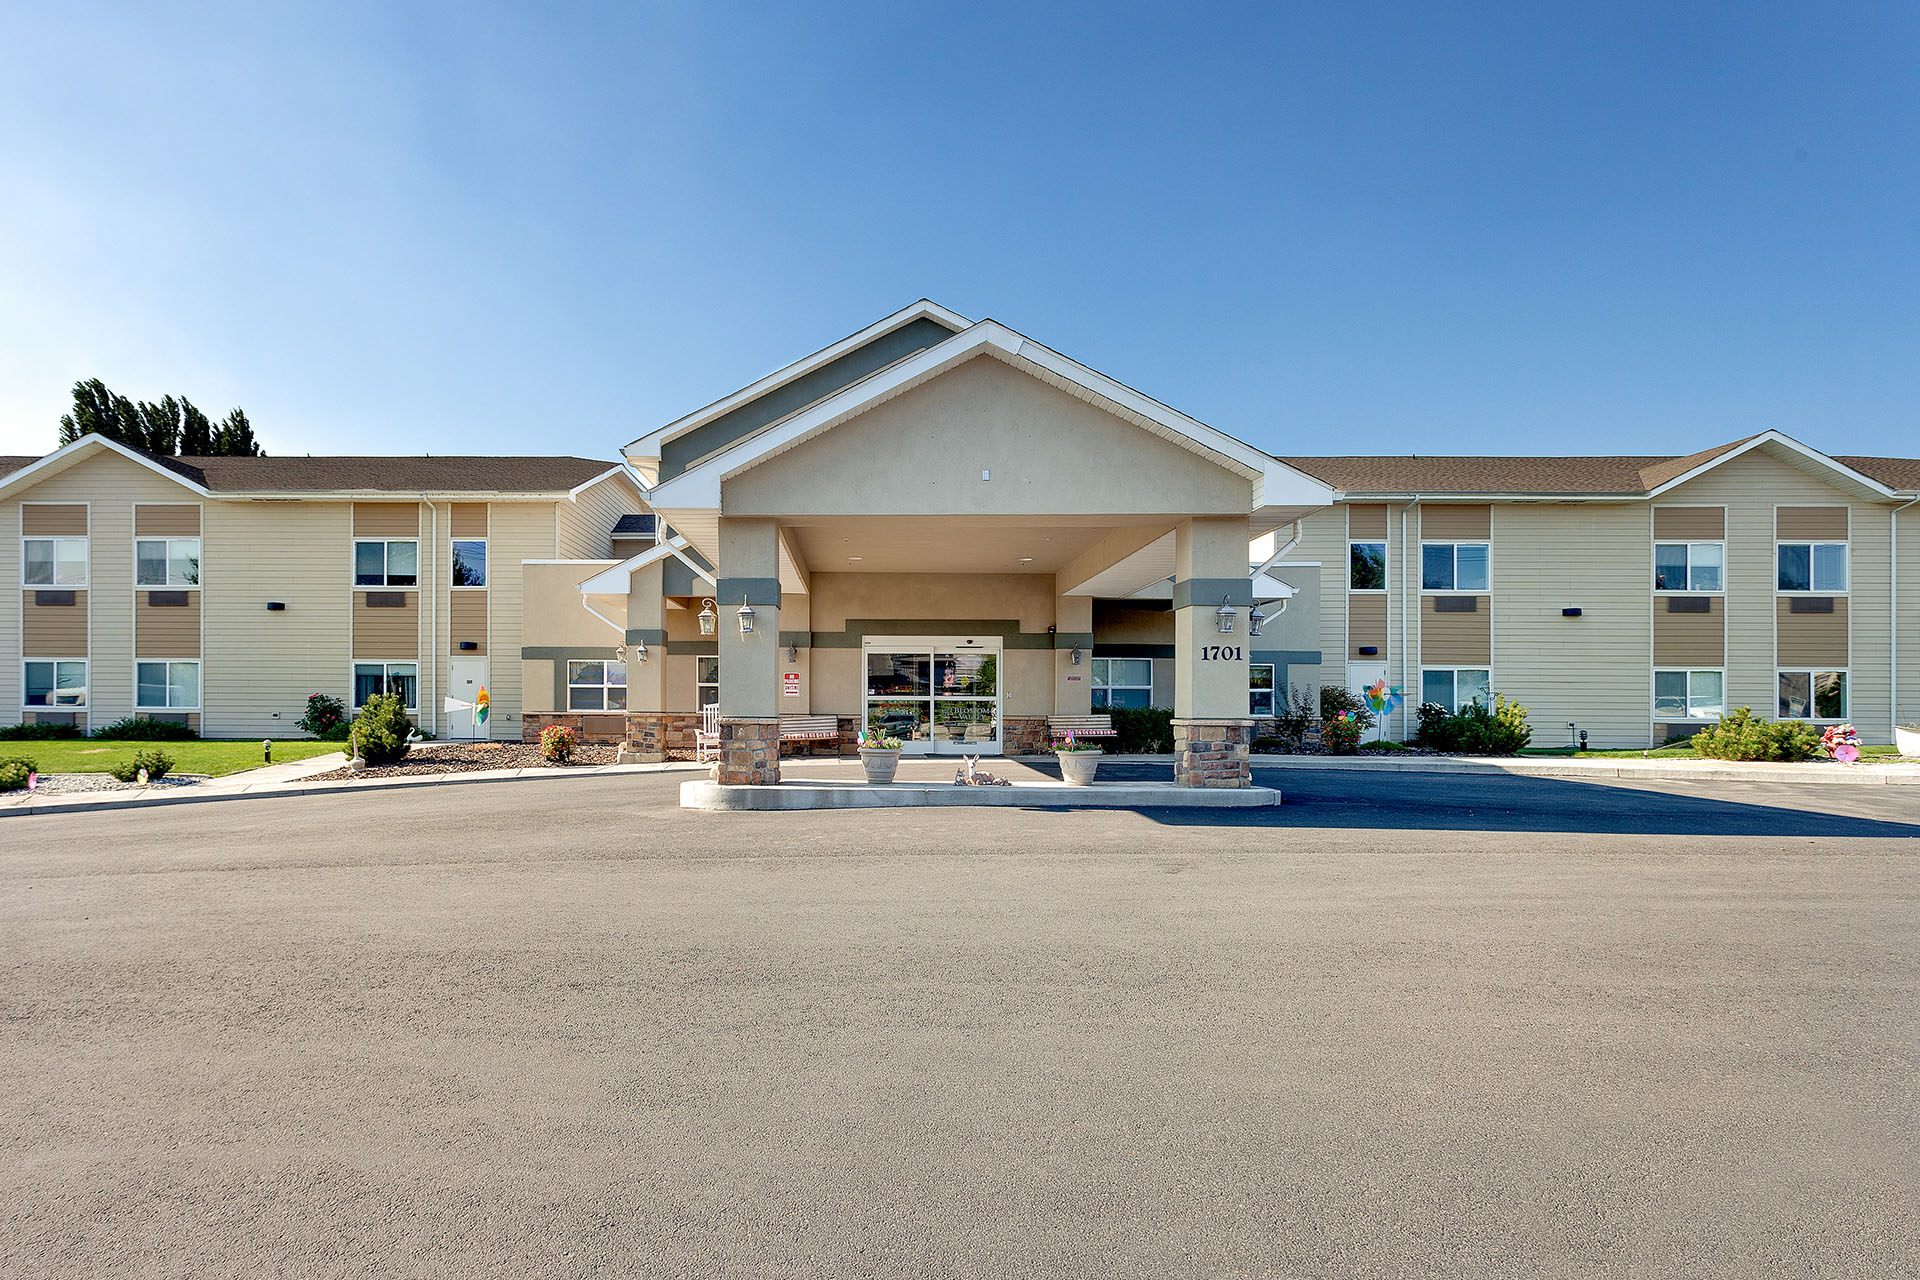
(657, 736)
(1212, 753)
(1023, 735)
(749, 752)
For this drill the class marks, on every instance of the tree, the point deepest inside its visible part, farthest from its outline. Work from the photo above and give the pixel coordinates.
(169, 428)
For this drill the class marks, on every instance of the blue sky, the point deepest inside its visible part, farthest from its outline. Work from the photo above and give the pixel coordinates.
(483, 228)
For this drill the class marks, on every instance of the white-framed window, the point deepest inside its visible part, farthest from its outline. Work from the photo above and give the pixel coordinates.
(53, 562)
(1456, 687)
(166, 562)
(1689, 695)
(402, 678)
(386, 562)
(1122, 682)
(173, 685)
(469, 562)
(1689, 566)
(706, 680)
(1455, 566)
(1366, 566)
(1813, 566)
(54, 682)
(1812, 695)
(595, 685)
(1260, 689)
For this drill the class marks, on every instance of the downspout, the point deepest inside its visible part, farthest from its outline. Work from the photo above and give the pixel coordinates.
(1406, 565)
(1893, 610)
(433, 619)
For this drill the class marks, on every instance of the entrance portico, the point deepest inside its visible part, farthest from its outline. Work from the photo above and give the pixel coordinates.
(923, 548)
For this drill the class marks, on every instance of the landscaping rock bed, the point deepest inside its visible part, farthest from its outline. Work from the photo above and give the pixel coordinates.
(73, 784)
(470, 757)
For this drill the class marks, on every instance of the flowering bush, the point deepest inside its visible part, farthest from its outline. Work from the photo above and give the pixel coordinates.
(325, 718)
(558, 742)
(1340, 734)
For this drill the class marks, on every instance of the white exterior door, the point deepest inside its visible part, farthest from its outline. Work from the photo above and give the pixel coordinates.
(465, 679)
(1359, 676)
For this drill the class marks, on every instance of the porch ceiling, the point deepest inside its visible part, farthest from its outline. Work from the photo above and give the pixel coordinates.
(947, 544)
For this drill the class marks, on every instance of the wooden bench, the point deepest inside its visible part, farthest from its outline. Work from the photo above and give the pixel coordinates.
(796, 728)
(1080, 726)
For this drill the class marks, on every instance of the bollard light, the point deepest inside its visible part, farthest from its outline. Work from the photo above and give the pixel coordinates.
(266, 750)
(1223, 617)
(709, 620)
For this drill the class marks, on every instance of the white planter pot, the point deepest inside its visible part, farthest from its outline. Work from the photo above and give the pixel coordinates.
(1077, 767)
(1907, 740)
(880, 765)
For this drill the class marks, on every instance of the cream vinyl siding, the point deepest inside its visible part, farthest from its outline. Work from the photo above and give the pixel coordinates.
(516, 531)
(259, 665)
(1751, 487)
(586, 523)
(1594, 670)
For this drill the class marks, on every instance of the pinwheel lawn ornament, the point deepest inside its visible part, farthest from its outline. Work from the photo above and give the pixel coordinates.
(1842, 742)
(1382, 698)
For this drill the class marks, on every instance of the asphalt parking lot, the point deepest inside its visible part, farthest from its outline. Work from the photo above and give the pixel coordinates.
(1404, 1025)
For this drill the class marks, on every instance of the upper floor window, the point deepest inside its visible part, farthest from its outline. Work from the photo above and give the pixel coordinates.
(1367, 566)
(1813, 566)
(56, 683)
(1689, 566)
(386, 562)
(1453, 566)
(470, 562)
(1122, 682)
(166, 562)
(55, 562)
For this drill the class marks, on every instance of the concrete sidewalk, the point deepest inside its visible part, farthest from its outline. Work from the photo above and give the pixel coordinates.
(1825, 771)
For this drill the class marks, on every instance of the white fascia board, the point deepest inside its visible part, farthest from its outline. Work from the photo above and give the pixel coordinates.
(617, 469)
(618, 580)
(68, 454)
(1786, 442)
(648, 445)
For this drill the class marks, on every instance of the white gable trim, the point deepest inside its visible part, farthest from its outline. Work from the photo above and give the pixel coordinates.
(68, 454)
(648, 446)
(618, 580)
(618, 469)
(1786, 442)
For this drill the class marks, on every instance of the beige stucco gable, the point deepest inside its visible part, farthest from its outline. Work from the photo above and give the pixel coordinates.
(1047, 453)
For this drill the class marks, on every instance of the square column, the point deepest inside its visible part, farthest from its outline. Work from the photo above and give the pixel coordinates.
(749, 661)
(1072, 629)
(1212, 728)
(647, 680)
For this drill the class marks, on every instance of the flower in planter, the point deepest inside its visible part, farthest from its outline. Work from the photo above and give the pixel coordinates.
(1071, 743)
(874, 740)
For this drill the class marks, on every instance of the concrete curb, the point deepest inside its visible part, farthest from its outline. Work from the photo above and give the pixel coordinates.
(1648, 770)
(790, 796)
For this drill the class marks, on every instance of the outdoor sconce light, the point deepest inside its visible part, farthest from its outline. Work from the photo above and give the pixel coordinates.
(1075, 657)
(746, 618)
(709, 620)
(793, 654)
(1255, 620)
(635, 652)
(1223, 617)
(1570, 613)
(468, 646)
(276, 606)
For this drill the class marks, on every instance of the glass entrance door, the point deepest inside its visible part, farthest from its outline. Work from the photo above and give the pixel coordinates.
(938, 696)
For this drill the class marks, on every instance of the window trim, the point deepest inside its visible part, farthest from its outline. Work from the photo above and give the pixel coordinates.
(603, 686)
(1109, 686)
(169, 585)
(86, 689)
(1272, 690)
(1456, 544)
(1454, 671)
(699, 684)
(199, 688)
(1846, 547)
(386, 675)
(86, 580)
(353, 565)
(1690, 544)
(1846, 693)
(1386, 566)
(486, 554)
(1690, 673)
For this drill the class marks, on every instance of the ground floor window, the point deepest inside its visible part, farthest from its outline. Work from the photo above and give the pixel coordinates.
(706, 681)
(1122, 682)
(402, 678)
(1456, 687)
(1689, 695)
(56, 682)
(596, 686)
(1813, 695)
(1260, 689)
(167, 686)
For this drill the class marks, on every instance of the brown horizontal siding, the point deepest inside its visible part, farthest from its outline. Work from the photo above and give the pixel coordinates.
(1367, 625)
(168, 631)
(1450, 638)
(386, 633)
(53, 519)
(1692, 640)
(166, 520)
(469, 520)
(53, 630)
(386, 520)
(1456, 523)
(467, 621)
(1367, 522)
(1811, 639)
(1678, 524)
(1828, 524)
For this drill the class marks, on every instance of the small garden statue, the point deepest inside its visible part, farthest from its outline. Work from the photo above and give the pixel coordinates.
(970, 774)
(1841, 742)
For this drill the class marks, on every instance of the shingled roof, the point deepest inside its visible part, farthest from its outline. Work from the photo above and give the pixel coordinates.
(358, 474)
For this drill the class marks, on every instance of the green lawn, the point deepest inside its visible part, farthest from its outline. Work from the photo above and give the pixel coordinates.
(86, 755)
(1682, 752)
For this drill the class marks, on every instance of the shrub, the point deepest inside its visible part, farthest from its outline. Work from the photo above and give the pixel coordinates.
(325, 718)
(382, 728)
(145, 729)
(1475, 729)
(1142, 729)
(1337, 700)
(1744, 736)
(156, 762)
(557, 743)
(1388, 746)
(1341, 735)
(1292, 720)
(38, 732)
(14, 771)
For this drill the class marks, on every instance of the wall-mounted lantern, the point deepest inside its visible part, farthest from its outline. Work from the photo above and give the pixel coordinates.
(793, 654)
(1255, 620)
(746, 618)
(1223, 617)
(709, 620)
(1075, 658)
(635, 652)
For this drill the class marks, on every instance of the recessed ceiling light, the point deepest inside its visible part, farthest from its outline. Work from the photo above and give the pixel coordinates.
(1026, 559)
(851, 559)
